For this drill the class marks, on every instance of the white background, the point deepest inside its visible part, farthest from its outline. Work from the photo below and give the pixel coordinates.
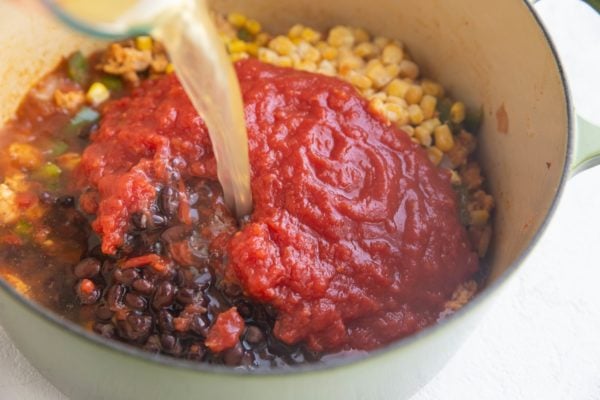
(541, 340)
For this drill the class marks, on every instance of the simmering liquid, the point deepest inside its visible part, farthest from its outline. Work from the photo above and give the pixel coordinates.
(203, 67)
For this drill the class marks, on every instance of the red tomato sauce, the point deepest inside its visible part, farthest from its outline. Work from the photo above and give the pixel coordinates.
(355, 238)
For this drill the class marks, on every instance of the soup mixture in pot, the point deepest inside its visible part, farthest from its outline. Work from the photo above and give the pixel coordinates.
(369, 217)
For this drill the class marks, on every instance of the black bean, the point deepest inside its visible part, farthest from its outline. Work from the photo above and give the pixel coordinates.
(165, 321)
(185, 296)
(176, 233)
(87, 296)
(164, 295)
(233, 356)
(140, 220)
(108, 267)
(143, 286)
(158, 220)
(200, 325)
(103, 312)
(87, 268)
(168, 342)
(254, 335)
(247, 359)
(169, 201)
(135, 327)
(135, 301)
(204, 278)
(244, 308)
(171, 345)
(106, 330)
(231, 290)
(114, 296)
(66, 201)
(153, 344)
(47, 198)
(126, 275)
(196, 352)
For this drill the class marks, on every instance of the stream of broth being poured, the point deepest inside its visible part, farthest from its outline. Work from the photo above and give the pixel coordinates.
(186, 29)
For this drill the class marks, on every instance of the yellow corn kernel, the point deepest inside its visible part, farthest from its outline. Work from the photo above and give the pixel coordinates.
(359, 80)
(381, 41)
(267, 55)
(415, 114)
(238, 20)
(432, 88)
(443, 138)
(262, 39)
(252, 49)
(414, 94)
(253, 26)
(376, 105)
(455, 178)
(368, 93)
(340, 36)
(303, 65)
(349, 62)
(17, 283)
(423, 136)
(25, 155)
(282, 45)
(236, 46)
(366, 50)
(68, 161)
(97, 93)
(428, 104)
(295, 31)
(431, 124)
(457, 112)
(307, 52)
(379, 74)
(479, 217)
(143, 43)
(284, 61)
(435, 155)
(396, 113)
(170, 68)
(329, 53)
(409, 69)
(392, 54)
(397, 87)
(361, 35)
(238, 56)
(326, 68)
(409, 129)
(310, 35)
(397, 100)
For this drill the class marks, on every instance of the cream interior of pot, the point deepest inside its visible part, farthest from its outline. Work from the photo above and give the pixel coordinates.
(486, 52)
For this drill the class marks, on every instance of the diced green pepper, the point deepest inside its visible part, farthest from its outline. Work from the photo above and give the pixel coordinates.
(245, 35)
(23, 228)
(82, 122)
(112, 83)
(78, 68)
(444, 110)
(473, 120)
(48, 172)
(59, 148)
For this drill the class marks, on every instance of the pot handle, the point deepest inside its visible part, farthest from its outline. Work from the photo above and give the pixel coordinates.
(586, 152)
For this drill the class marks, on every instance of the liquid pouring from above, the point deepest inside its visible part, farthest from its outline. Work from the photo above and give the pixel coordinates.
(203, 67)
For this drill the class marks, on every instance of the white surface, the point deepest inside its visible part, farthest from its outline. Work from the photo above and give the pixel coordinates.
(541, 340)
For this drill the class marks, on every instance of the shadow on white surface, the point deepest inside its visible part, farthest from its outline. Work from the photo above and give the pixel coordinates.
(541, 340)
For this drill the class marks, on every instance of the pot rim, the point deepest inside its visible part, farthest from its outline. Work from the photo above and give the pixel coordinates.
(351, 360)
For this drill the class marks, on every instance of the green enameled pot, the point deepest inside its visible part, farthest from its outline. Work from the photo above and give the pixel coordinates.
(494, 53)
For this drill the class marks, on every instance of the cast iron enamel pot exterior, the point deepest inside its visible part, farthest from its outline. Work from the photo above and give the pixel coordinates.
(487, 53)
